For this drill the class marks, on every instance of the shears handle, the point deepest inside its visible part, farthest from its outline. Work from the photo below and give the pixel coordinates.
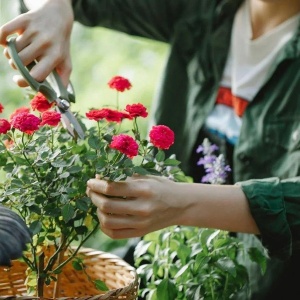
(43, 87)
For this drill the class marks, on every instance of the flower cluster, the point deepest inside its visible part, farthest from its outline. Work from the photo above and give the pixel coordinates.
(214, 166)
(46, 171)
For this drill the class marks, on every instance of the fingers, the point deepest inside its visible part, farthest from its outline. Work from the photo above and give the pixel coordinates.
(151, 203)
(118, 205)
(133, 187)
(48, 57)
(108, 188)
(122, 226)
(17, 25)
(64, 70)
(44, 39)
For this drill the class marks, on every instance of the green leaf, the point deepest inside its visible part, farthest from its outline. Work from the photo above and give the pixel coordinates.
(182, 178)
(81, 230)
(160, 156)
(140, 170)
(12, 191)
(44, 155)
(171, 162)
(74, 169)
(127, 163)
(201, 261)
(35, 227)
(68, 212)
(59, 163)
(227, 265)
(21, 161)
(3, 161)
(183, 253)
(83, 204)
(166, 290)
(51, 237)
(141, 248)
(77, 265)
(181, 271)
(258, 256)
(100, 285)
(64, 175)
(94, 143)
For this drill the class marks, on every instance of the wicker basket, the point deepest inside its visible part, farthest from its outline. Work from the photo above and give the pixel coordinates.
(119, 276)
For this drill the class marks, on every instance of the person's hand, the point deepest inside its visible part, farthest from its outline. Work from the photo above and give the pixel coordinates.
(143, 204)
(137, 206)
(43, 35)
(14, 235)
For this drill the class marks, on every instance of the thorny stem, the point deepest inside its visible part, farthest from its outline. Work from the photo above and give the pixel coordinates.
(54, 257)
(136, 129)
(77, 249)
(61, 254)
(117, 100)
(34, 170)
(41, 278)
(28, 262)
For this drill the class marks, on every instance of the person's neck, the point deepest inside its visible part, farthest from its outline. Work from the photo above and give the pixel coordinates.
(266, 15)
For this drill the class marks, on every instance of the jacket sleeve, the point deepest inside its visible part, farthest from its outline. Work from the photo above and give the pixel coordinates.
(153, 19)
(275, 206)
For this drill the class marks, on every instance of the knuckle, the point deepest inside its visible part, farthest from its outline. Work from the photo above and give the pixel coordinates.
(109, 188)
(105, 206)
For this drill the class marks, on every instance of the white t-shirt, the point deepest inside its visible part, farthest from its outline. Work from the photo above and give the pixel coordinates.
(246, 70)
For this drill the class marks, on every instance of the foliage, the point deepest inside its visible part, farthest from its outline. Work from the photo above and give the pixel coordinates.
(47, 169)
(191, 263)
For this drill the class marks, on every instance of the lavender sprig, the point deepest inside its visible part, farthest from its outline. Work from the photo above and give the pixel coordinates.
(215, 166)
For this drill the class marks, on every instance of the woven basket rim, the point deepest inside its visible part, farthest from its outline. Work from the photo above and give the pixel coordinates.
(113, 262)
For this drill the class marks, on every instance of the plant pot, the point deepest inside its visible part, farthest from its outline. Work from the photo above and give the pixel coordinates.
(119, 276)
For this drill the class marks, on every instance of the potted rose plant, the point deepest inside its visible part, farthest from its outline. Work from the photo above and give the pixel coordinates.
(46, 171)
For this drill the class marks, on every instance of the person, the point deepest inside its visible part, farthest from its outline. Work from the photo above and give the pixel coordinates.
(232, 75)
(14, 236)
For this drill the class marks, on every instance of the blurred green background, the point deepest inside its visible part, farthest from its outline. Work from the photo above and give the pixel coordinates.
(97, 54)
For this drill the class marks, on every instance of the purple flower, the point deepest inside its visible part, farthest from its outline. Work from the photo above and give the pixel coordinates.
(214, 166)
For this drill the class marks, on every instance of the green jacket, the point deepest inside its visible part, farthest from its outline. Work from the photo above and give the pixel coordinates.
(198, 32)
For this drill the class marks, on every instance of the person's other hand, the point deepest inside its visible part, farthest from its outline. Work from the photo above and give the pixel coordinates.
(43, 35)
(14, 235)
(137, 206)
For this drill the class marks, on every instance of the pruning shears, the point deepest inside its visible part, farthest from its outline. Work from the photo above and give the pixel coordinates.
(52, 88)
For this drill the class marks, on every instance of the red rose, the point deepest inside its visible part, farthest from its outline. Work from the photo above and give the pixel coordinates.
(125, 144)
(162, 136)
(19, 110)
(51, 118)
(95, 114)
(1, 108)
(137, 110)
(26, 122)
(126, 115)
(108, 114)
(40, 103)
(4, 126)
(119, 83)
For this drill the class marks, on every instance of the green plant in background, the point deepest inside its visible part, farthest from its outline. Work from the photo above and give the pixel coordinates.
(191, 263)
